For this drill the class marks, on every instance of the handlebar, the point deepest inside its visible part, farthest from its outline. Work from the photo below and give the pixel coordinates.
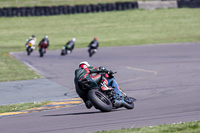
(111, 72)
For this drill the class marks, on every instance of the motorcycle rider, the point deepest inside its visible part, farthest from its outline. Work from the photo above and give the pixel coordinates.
(85, 72)
(70, 45)
(45, 42)
(94, 44)
(32, 40)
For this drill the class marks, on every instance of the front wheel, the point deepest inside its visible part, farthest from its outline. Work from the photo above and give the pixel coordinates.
(99, 100)
(29, 50)
(41, 51)
(129, 102)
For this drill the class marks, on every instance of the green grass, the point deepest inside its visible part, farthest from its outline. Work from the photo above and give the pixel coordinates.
(112, 28)
(187, 127)
(30, 3)
(133, 27)
(21, 106)
(12, 69)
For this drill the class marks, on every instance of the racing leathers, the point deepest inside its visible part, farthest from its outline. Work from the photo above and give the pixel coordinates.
(96, 77)
(44, 43)
(70, 45)
(91, 74)
(93, 46)
(31, 42)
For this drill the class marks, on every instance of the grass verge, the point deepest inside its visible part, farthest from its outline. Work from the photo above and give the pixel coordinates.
(132, 27)
(12, 69)
(186, 127)
(21, 106)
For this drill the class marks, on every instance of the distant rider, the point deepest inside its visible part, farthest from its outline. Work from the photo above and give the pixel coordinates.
(31, 40)
(44, 43)
(70, 44)
(94, 44)
(85, 72)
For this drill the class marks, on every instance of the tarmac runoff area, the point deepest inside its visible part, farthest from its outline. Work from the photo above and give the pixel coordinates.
(37, 90)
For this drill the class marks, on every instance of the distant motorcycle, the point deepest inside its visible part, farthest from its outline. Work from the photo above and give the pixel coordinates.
(65, 51)
(30, 47)
(105, 101)
(42, 49)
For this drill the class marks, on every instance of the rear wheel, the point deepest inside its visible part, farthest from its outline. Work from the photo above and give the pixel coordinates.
(99, 100)
(41, 52)
(28, 50)
(62, 52)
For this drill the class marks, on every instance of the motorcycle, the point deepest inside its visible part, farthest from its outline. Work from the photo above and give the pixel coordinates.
(30, 47)
(105, 101)
(92, 51)
(42, 49)
(65, 51)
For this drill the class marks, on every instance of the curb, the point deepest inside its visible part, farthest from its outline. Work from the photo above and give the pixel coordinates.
(52, 105)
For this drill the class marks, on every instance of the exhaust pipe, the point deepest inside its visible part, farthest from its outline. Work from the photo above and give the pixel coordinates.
(117, 103)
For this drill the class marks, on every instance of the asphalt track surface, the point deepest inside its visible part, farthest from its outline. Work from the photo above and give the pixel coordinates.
(163, 78)
(36, 90)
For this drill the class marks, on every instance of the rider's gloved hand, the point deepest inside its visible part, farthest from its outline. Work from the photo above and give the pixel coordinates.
(102, 68)
(110, 72)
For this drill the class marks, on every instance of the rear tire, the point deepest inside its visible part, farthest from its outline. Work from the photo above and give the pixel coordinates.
(28, 51)
(63, 52)
(41, 52)
(99, 100)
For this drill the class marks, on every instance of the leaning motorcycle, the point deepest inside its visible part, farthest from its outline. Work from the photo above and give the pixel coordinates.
(105, 101)
(30, 47)
(42, 49)
(92, 51)
(65, 50)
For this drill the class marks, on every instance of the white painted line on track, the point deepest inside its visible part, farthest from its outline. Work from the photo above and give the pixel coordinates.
(32, 67)
(139, 69)
(143, 70)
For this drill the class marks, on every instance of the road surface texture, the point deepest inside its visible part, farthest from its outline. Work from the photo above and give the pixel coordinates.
(32, 91)
(163, 78)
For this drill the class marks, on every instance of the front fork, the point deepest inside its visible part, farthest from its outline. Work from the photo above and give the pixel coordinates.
(117, 91)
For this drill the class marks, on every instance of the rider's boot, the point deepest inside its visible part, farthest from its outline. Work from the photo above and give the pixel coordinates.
(104, 87)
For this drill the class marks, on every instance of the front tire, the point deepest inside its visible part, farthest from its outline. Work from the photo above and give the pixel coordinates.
(99, 100)
(129, 103)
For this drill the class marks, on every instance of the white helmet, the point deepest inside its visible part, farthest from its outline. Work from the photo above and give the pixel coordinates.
(73, 39)
(46, 36)
(84, 64)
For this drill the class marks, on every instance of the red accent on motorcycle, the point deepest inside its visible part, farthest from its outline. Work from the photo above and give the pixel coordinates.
(44, 45)
(118, 88)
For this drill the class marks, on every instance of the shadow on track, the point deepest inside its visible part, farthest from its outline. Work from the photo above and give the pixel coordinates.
(82, 113)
